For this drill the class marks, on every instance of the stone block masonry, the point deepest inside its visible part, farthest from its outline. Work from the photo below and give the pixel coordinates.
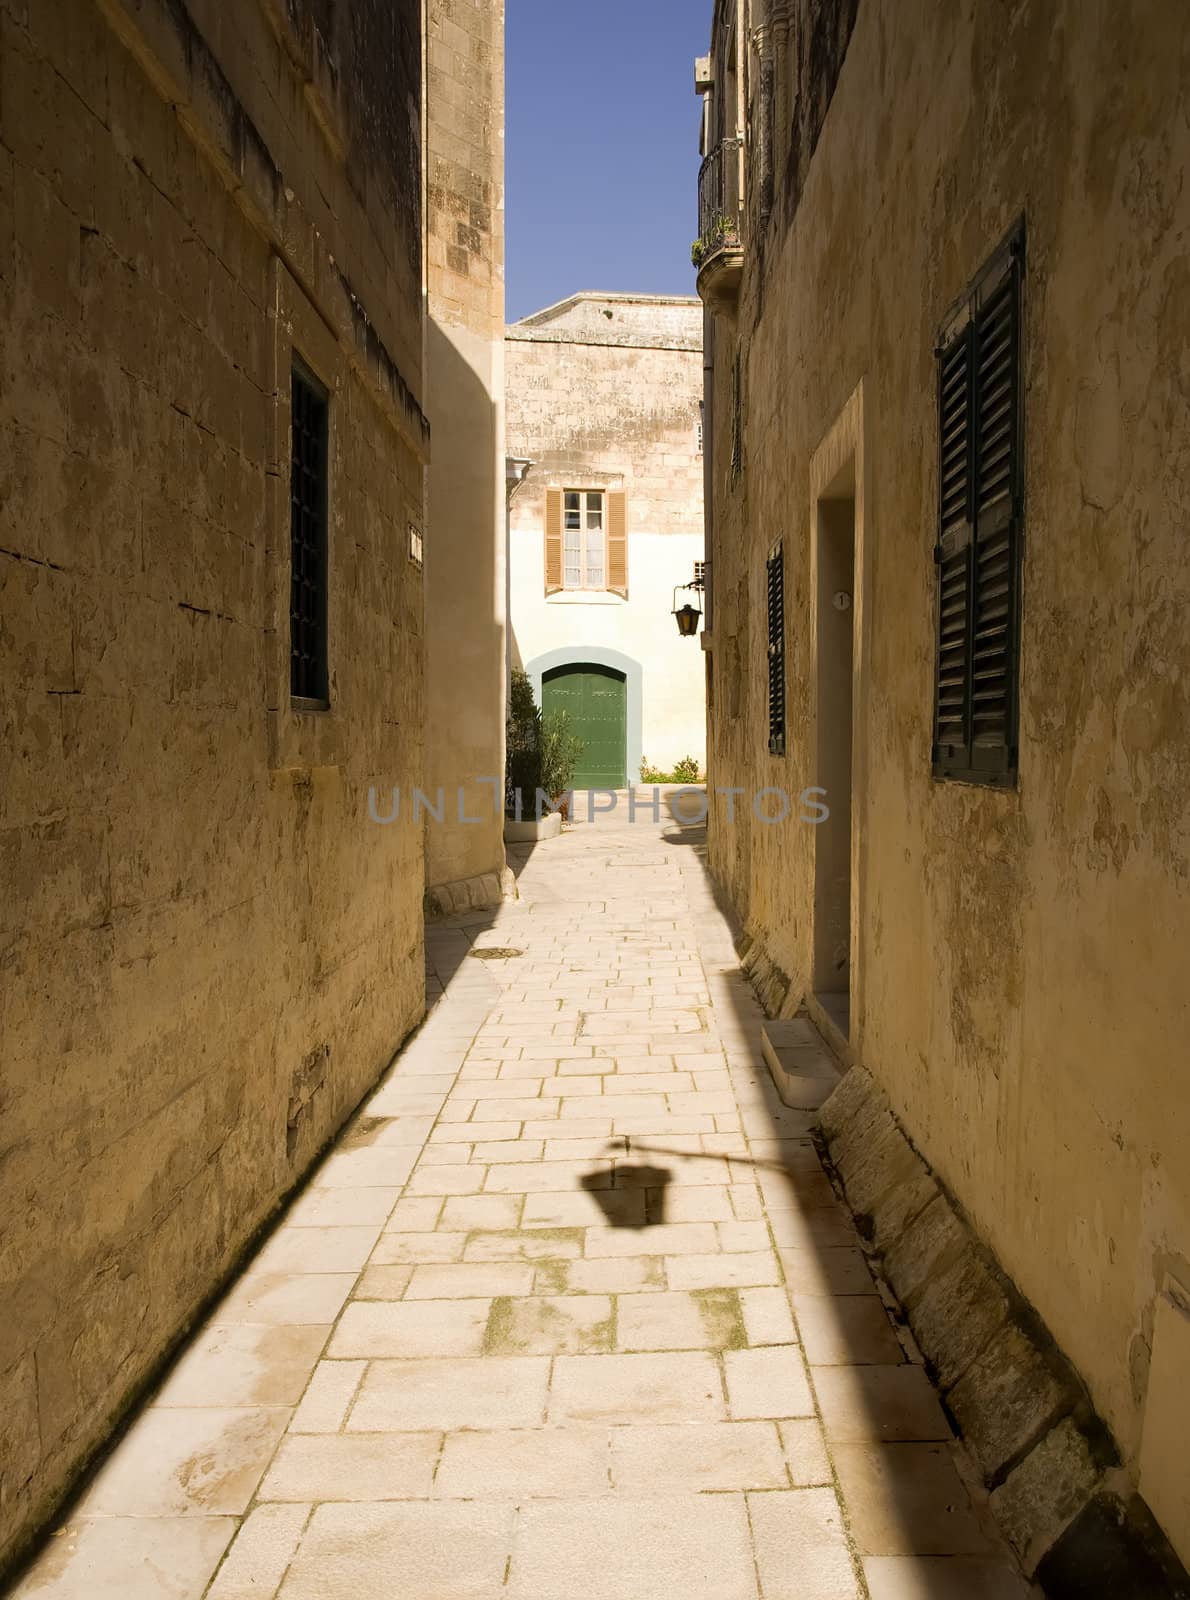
(207, 955)
(611, 385)
(1012, 950)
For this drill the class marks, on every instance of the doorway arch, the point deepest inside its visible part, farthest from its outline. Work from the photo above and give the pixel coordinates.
(596, 656)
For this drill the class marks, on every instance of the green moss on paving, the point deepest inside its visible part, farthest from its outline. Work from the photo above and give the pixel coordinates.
(722, 1317)
(521, 1239)
(498, 1335)
(554, 1276)
(601, 1336)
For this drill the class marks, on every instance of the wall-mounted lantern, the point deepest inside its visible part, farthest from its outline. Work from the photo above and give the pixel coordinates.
(687, 616)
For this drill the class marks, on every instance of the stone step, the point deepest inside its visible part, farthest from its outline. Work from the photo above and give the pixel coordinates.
(803, 1069)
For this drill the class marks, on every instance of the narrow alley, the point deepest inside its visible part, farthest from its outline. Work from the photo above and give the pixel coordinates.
(571, 1309)
(594, 826)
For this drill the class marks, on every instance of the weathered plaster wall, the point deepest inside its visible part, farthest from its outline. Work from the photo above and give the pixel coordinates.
(207, 952)
(1021, 960)
(466, 602)
(593, 413)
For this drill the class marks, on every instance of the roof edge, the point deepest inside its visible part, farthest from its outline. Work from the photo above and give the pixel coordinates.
(617, 297)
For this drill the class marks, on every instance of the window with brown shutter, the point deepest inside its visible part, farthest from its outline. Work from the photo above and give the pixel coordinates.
(617, 543)
(586, 541)
(980, 504)
(553, 540)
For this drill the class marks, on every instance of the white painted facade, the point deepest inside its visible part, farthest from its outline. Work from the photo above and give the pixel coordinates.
(603, 392)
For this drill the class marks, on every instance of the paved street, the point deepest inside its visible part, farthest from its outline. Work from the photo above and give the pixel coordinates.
(570, 1311)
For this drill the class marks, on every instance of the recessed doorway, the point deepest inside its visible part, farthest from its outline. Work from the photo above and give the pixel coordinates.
(835, 613)
(596, 699)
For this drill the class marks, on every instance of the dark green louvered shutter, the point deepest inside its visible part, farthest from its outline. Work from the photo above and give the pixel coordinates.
(952, 735)
(775, 573)
(976, 680)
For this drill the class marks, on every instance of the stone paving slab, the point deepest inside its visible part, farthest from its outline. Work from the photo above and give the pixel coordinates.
(571, 1310)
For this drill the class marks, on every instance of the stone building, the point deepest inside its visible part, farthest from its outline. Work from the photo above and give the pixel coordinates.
(604, 396)
(466, 583)
(211, 646)
(946, 249)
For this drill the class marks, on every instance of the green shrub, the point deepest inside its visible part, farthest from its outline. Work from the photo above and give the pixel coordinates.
(687, 770)
(523, 760)
(561, 750)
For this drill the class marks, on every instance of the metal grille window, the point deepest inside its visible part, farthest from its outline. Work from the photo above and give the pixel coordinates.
(737, 419)
(700, 574)
(978, 555)
(775, 571)
(584, 540)
(308, 660)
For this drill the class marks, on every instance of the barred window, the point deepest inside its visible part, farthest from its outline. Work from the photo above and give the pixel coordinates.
(775, 576)
(309, 676)
(737, 419)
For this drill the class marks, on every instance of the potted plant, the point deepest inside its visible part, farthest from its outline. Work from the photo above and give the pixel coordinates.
(561, 749)
(541, 756)
(722, 233)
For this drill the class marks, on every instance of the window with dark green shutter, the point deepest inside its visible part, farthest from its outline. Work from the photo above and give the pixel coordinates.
(775, 574)
(308, 659)
(978, 554)
(737, 419)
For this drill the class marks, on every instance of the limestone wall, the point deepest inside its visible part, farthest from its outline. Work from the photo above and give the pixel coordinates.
(207, 952)
(592, 413)
(1019, 986)
(465, 568)
(619, 319)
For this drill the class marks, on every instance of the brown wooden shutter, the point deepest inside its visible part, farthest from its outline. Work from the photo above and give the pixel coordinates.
(617, 544)
(553, 540)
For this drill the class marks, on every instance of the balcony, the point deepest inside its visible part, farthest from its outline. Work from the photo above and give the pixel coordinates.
(718, 251)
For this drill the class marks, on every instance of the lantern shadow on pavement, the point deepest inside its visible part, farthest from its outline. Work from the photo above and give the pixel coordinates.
(650, 1182)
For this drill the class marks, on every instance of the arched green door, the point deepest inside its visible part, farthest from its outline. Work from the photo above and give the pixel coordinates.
(597, 701)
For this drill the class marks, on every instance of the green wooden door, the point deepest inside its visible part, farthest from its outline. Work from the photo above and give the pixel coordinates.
(597, 700)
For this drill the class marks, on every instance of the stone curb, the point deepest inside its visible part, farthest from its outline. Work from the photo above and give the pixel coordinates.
(488, 890)
(1016, 1401)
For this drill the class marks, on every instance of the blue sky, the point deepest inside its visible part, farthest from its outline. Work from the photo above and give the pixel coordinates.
(602, 146)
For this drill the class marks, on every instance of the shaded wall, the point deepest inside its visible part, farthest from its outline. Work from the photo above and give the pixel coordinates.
(465, 564)
(207, 952)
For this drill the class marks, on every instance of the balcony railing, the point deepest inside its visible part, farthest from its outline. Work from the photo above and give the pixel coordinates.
(718, 251)
(719, 200)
